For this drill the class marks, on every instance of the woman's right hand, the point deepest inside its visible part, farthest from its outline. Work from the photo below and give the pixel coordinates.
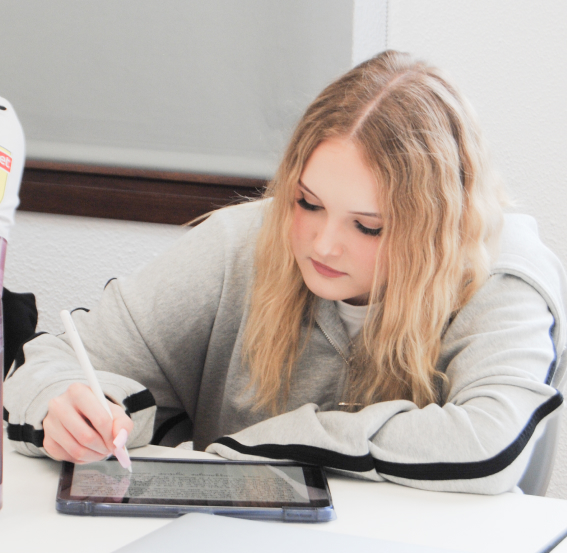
(78, 429)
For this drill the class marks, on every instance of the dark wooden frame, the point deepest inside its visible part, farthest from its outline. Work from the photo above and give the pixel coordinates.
(128, 194)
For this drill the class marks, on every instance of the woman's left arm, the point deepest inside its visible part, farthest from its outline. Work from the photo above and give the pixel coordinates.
(498, 356)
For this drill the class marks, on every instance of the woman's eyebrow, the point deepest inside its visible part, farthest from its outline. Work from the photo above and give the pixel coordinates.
(363, 213)
(310, 191)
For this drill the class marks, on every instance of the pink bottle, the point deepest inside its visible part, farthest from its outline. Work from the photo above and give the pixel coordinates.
(3, 245)
(12, 156)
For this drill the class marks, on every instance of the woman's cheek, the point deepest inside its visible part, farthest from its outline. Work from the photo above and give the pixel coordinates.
(367, 252)
(303, 224)
(297, 230)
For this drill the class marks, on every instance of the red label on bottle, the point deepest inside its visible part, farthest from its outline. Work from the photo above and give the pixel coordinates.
(5, 160)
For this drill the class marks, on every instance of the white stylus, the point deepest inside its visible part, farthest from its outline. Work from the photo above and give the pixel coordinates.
(71, 330)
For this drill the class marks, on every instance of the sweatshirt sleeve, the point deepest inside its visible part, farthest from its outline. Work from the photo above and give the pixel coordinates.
(147, 330)
(498, 356)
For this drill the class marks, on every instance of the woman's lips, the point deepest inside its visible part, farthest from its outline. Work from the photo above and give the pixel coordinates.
(326, 271)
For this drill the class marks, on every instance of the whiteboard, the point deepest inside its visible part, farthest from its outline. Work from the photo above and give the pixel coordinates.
(213, 87)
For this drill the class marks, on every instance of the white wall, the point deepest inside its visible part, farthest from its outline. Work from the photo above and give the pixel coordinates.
(202, 86)
(66, 261)
(510, 59)
(369, 29)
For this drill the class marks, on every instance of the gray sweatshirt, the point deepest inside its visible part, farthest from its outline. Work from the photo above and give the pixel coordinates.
(167, 341)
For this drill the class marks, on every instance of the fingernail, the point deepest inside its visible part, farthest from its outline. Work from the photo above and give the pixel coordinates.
(122, 457)
(121, 439)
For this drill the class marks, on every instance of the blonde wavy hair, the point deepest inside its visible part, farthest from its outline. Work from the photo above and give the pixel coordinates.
(442, 207)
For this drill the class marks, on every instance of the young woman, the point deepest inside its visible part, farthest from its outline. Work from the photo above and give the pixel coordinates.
(375, 313)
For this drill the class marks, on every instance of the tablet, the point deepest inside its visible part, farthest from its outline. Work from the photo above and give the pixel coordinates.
(172, 487)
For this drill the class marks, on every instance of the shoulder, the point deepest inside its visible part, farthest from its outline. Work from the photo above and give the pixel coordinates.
(225, 233)
(238, 223)
(247, 214)
(221, 246)
(523, 252)
(526, 279)
(524, 255)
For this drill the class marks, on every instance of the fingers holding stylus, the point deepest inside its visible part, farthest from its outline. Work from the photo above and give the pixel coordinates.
(78, 429)
(62, 446)
(77, 423)
(97, 392)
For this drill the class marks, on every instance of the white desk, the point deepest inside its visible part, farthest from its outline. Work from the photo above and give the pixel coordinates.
(471, 523)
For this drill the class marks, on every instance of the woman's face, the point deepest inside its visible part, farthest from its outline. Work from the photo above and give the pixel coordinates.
(337, 223)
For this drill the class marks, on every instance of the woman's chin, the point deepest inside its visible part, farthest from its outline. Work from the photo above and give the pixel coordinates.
(325, 293)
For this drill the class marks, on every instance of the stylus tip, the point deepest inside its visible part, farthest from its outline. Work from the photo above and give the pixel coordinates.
(123, 458)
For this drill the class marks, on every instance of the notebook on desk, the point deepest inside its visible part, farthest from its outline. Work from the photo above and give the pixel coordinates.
(203, 532)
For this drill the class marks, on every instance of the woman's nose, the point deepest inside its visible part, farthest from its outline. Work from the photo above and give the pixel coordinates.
(328, 240)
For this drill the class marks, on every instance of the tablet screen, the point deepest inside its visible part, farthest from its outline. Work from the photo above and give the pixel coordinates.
(184, 482)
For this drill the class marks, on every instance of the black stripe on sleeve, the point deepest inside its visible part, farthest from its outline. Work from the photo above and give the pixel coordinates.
(415, 471)
(168, 425)
(477, 469)
(553, 366)
(303, 454)
(25, 433)
(139, 401)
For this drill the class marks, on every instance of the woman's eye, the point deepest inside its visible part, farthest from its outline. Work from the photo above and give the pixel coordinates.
(302, 202)
(368, 231)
